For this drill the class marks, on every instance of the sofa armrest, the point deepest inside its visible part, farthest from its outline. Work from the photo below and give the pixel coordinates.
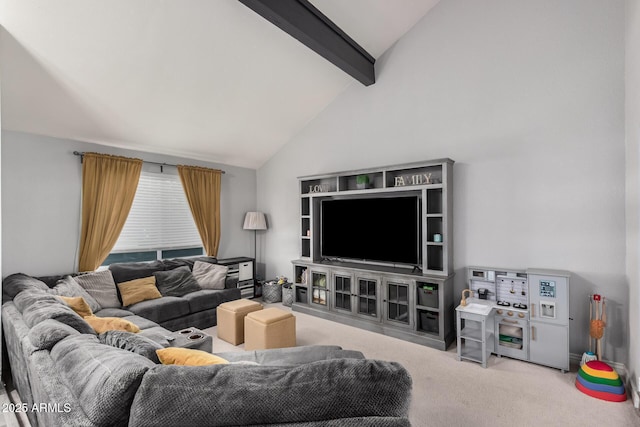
(230, 282)
(240, 394)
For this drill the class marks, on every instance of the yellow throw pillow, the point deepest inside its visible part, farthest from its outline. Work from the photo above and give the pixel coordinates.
(103, 324)
(79, 305)
(188, 357)
(138, 290)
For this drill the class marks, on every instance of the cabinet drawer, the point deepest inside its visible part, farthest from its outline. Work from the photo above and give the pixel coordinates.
(245, 270)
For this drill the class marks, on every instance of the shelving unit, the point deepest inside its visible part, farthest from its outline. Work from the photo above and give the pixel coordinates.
(430, 180)
(472, 338)
(428, 307)
(242, 274)
(381, 297)
(378, 299)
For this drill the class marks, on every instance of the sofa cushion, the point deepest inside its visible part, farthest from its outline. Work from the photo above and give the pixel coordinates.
(14, 284)
(137, 290)
(135, 343)
(103, 379)
(210, 276)
(125, 271)
(103, 324)
(79, 305)
(63, 409)
(29, 297)
(188, 357)
(217, 395)
(140, 322)
(176, 283)
(52, 280)
(68, 287)
(113, 312)
(47, 333)
(100, 285)
(44, 309)
(157, 334)
(161, 309)
(170, 264)
(205, 299)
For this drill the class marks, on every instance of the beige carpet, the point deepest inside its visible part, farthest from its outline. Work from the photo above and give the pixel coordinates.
(451, 393)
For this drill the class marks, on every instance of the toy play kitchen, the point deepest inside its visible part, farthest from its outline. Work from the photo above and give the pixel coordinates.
(518, 314)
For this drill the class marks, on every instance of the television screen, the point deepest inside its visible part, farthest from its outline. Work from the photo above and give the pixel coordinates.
(383, 229)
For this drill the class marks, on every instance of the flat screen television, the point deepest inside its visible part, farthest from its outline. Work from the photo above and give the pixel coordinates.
(381, 229)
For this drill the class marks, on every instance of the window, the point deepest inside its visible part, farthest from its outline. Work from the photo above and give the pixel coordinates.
(159, 225)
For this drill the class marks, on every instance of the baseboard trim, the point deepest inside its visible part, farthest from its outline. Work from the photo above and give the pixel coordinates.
(619, 367)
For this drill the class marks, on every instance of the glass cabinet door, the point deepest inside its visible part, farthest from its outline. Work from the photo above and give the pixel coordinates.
(319, 287)
(397, 302)
(367, 297)
(342, 292)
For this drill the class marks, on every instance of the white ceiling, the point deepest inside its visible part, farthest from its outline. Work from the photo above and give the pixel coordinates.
(204, 79)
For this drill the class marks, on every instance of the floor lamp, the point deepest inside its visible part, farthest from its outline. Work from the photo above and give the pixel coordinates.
(255, 221)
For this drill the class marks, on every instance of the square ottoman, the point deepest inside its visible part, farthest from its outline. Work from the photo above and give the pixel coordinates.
(231, 319)
(269, 328)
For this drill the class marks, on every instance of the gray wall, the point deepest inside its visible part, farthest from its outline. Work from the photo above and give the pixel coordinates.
(41, 194)
(528, 98)
(633, 188)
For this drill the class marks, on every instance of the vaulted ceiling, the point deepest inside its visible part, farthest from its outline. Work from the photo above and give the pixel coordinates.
(205, 79)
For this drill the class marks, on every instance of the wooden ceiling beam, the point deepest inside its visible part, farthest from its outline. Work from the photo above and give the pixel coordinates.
(303, 21)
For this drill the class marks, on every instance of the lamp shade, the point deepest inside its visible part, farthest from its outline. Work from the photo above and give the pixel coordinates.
(255, 221)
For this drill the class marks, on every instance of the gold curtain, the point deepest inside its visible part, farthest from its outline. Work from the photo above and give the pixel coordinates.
(109, 184)
(202, 188)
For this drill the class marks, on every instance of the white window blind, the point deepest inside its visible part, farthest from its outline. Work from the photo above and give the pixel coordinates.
(160, 217)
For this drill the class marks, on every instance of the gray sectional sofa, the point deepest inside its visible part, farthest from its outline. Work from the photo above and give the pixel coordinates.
(67, 375)
(197, 309)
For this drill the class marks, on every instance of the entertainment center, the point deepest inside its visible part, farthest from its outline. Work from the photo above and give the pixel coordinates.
(376, 250)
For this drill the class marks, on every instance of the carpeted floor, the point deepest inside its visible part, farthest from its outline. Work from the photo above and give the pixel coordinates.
(451, 393)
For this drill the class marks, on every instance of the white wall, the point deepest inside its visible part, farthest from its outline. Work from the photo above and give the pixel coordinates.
(528, 98)
(41, 193)
(632, 115)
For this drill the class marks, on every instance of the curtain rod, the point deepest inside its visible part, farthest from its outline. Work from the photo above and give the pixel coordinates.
(81, 154)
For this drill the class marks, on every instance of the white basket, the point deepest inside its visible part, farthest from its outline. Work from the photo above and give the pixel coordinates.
(271, 292)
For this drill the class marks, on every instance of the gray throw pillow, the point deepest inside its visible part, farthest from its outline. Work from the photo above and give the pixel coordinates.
(131, 342)
(47, 333)
(68, 287)
(177, 282)
(210, 276)
(127, 271)
(101, 286)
